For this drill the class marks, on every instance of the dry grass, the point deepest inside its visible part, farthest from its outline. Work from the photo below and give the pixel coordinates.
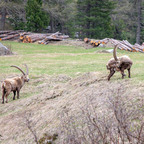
(57, 94)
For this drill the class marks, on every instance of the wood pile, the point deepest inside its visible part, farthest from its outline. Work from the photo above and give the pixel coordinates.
(122, 45)
(28, 37)
(53, 37)
(95, 43)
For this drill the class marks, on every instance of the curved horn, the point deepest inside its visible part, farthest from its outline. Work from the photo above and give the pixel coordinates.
(114, 53)
(18, 69)
(27, 70)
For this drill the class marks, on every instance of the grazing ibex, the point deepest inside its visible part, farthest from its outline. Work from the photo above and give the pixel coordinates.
(14, 84)
(119, 64)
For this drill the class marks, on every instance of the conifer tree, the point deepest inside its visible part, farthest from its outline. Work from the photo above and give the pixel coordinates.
(37, 19)
(93, 18)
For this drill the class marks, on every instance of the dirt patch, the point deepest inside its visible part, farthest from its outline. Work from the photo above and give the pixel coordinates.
(56, 94)
(79, 43)
(76, 43)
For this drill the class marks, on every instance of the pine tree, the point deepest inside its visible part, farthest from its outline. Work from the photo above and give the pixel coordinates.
(93, 18)
(37, 19)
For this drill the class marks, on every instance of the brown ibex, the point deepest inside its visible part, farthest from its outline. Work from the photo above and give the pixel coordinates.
(119, 64)
(14, 84)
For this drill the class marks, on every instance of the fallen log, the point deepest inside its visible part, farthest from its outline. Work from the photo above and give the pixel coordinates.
(52, 37)
(10, 37)
(63, 37)
(4, 32)
(34, 39)
(3, 35)
(14, 32)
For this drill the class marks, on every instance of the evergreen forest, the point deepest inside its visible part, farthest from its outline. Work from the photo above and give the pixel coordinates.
(98, 19)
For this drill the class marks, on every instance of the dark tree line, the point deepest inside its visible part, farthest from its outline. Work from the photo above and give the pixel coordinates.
(139, 20)
(97, 19)
(93, 18)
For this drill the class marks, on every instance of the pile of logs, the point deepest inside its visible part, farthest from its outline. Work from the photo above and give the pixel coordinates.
(122, 45)
(53, 37)
(28, 37)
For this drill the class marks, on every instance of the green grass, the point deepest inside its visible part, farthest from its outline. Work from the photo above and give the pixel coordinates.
(54, 60)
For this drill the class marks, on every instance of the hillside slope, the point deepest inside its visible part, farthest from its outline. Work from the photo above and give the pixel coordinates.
(57, 94)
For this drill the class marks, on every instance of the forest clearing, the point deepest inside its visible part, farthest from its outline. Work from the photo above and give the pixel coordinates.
(72, 72)
(65, 79)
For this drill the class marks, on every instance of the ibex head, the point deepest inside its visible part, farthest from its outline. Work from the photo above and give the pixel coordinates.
(25, 75)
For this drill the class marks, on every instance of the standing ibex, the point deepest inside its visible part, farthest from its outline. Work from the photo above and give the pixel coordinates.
(14, 84)
(119, 64)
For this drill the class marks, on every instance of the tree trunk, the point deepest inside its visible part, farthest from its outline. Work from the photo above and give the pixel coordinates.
(139, 3)
(3, 18)
(52, 24)
(88, 34)
(62, 28)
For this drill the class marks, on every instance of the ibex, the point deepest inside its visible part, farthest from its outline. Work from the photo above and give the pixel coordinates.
(14, 84)
(119, 64)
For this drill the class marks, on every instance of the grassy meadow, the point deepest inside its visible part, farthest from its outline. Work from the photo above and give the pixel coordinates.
(58, 59)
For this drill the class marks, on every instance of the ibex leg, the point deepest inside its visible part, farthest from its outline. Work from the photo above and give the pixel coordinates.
(17, 94)
(14, 92)
(3, 94)
(111, 74)
(122, 72)
(129, 73)
(6, 95)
